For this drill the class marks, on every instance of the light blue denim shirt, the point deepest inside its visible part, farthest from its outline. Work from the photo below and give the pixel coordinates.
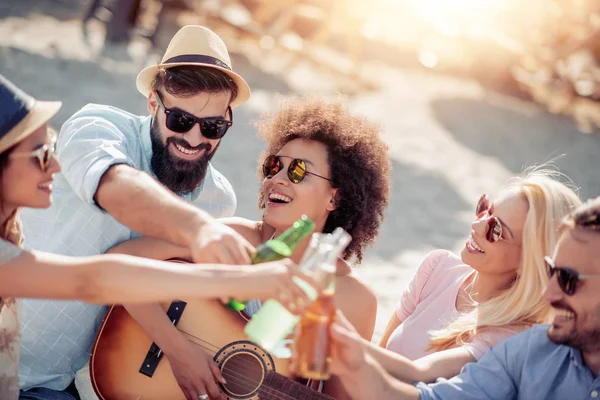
(57, 335)
(527, 366)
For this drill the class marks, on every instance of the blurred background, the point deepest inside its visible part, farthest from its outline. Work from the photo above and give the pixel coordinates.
(467, 92)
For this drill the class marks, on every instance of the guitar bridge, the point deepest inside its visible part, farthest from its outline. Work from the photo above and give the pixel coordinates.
(155, 353)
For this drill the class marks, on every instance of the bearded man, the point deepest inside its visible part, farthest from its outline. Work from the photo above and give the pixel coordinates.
(124, 176)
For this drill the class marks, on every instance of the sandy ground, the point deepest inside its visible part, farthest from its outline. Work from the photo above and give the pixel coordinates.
(449, 140)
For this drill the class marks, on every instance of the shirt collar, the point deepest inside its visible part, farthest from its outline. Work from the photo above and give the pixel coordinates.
(575, 356)
(147, 149)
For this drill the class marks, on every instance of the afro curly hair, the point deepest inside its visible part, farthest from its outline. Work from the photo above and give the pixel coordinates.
(358, 162)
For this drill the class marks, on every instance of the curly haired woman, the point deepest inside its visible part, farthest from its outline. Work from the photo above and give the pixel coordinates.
(331, 165)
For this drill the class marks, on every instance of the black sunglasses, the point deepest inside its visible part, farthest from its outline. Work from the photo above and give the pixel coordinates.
(567, 277)
(43, 154)
(296, 170)
(181, 122)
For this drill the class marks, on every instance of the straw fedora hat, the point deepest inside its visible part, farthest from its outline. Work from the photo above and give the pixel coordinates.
(21, 114)
(195, 45)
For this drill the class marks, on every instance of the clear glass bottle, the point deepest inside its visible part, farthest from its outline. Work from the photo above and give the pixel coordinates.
(312, 343)
(273, 322)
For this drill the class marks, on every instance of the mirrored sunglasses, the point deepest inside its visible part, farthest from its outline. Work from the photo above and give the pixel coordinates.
(493, 231)
(296, 170)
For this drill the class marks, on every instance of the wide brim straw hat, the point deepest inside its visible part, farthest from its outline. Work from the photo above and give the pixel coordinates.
(195, 45)
(20, 114)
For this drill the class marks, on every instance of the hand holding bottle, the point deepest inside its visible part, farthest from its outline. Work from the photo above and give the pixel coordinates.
(273, 322)
(277, 249)
(277, 280)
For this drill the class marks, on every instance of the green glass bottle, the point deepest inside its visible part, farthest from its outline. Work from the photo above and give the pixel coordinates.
(273, 322)
(277, 249)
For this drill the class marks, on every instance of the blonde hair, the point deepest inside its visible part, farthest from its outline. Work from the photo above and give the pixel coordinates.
(521, 304)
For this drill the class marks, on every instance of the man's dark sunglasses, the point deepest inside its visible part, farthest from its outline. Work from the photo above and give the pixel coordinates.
(296, 170)
(180, 121)
(567, 277)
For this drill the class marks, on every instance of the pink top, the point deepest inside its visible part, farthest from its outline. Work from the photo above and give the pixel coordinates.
(429, 303)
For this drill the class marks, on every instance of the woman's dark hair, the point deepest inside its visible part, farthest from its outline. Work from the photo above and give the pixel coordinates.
(187, 81)
(358, 162)
(11, 229)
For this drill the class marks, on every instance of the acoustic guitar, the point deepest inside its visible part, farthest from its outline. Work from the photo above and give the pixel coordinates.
(126, 365)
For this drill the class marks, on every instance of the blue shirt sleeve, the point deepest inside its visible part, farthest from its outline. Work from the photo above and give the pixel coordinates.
(87, 147)
(491, 378)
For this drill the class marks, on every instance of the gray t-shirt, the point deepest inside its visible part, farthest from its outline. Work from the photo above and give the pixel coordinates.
(9, 333)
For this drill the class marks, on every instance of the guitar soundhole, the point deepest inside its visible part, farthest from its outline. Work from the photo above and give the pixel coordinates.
(244, 374)
(244, 366)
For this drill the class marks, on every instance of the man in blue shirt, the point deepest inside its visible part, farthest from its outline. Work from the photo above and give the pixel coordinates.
(557, 361)
(124, 176)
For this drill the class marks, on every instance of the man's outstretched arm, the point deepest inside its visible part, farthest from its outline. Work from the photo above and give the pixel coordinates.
(138, 201)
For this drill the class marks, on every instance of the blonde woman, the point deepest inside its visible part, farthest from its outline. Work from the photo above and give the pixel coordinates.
(27, 168)
(455, 309)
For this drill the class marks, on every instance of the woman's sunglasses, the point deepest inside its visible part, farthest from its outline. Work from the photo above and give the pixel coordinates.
(44, 155)
(296, 170)
(567, 277)
(493, 231)
(181, 122)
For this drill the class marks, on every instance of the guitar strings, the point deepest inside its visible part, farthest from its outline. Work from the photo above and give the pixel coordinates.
(242, 379)
(208, 348)
(209, 345)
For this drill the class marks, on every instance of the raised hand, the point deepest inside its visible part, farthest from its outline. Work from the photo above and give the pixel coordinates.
(217, 243)
(279, 280)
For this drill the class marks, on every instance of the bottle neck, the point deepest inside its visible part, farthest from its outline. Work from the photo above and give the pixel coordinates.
(325, 276)
(294, 235)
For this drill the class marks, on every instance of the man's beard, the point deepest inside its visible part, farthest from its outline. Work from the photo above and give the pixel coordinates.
(588, 340)
(179, 175)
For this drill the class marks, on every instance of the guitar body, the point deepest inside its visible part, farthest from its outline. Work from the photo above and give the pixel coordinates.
(122, 346)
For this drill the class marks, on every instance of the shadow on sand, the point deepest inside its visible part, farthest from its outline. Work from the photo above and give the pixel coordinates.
(519, 139)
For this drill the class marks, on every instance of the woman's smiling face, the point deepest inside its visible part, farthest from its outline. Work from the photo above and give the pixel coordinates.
(285, 202)
(503, 256)
(24, 183)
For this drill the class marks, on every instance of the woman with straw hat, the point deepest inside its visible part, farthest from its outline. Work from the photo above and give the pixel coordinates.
(27, 166)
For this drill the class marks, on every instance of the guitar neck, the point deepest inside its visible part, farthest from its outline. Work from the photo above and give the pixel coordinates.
(276, 385)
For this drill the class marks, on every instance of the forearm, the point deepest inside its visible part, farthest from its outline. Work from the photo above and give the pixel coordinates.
(153, 319)
(139, 202)
(396, 365)
(393, 389)
(147, 247)
(118, 279)
(371, 381)
(393, 323)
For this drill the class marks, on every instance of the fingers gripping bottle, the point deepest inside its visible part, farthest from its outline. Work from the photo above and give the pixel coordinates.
(273, 322)
(277, 249)
(312, 343)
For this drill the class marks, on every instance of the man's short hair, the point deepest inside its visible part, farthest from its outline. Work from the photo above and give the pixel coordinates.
(188, 80)
(585, 217)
